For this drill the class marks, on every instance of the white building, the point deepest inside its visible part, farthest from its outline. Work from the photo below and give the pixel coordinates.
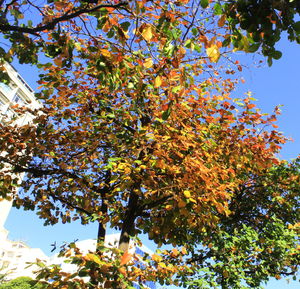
(17, 91)
(15, 259)
(15, 255)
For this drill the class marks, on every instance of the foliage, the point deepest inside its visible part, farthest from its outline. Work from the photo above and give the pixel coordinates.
(139, 131)
(264, 21)
(247, 25)
(21, 283)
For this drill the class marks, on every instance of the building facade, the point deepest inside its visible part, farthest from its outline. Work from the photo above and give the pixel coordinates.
(17, 91)
(15, 255)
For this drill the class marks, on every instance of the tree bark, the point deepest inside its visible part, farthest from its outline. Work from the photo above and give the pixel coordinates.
(128, 224)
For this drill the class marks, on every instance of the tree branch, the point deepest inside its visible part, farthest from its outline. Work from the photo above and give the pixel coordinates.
(36, 172)
(51, 25)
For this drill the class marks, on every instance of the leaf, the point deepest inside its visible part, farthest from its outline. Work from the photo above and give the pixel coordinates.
(221, 21)
(187, 194)
(94, 258)
(218, 9)
(277, 54)
(147, 32)
(125, 258)
(296, 26)
(105, 53)
(204, 3)
(213, 53)
(156, 258)
(157, 81)
(270, 61)
(58, 62)
(148, 63)
(125, 25)
(253, 47)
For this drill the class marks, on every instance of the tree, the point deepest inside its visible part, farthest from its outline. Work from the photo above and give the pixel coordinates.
(250, 24)
(21, 283)
(139, 132)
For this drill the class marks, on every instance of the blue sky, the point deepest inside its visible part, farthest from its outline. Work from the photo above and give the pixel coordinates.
(278, 85)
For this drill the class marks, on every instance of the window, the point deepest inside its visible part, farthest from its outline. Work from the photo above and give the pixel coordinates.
(5, 88)
(5, 264)
(17, 99)
(1, 104)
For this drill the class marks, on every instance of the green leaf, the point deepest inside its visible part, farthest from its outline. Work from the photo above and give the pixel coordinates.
(277, 54)
(226, 42)
(296, 27)
(253, 47)
(125, 25)
(111, 33)
(165, 115)
(204, 3)
(198, 48)
(270, 60)
(218, 9)
(195, 31)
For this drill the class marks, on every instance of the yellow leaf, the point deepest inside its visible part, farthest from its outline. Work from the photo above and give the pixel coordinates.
(148, 63)
(94, 258)
(183, 251)
(156, 258)
(163, 265)
(105, 52)
(157, 81)
(213, 53)
(192, 200)
(187, 194)
(147, 32)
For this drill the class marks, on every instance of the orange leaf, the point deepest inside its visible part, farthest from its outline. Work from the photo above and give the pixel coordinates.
(221, 21)
(125, 258)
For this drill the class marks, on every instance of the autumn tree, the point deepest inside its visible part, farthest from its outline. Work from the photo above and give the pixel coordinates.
(139, 132)
(250, 25)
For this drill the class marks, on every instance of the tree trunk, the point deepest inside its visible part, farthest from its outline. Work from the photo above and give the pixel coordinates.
(128, 224)
(101, 230)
